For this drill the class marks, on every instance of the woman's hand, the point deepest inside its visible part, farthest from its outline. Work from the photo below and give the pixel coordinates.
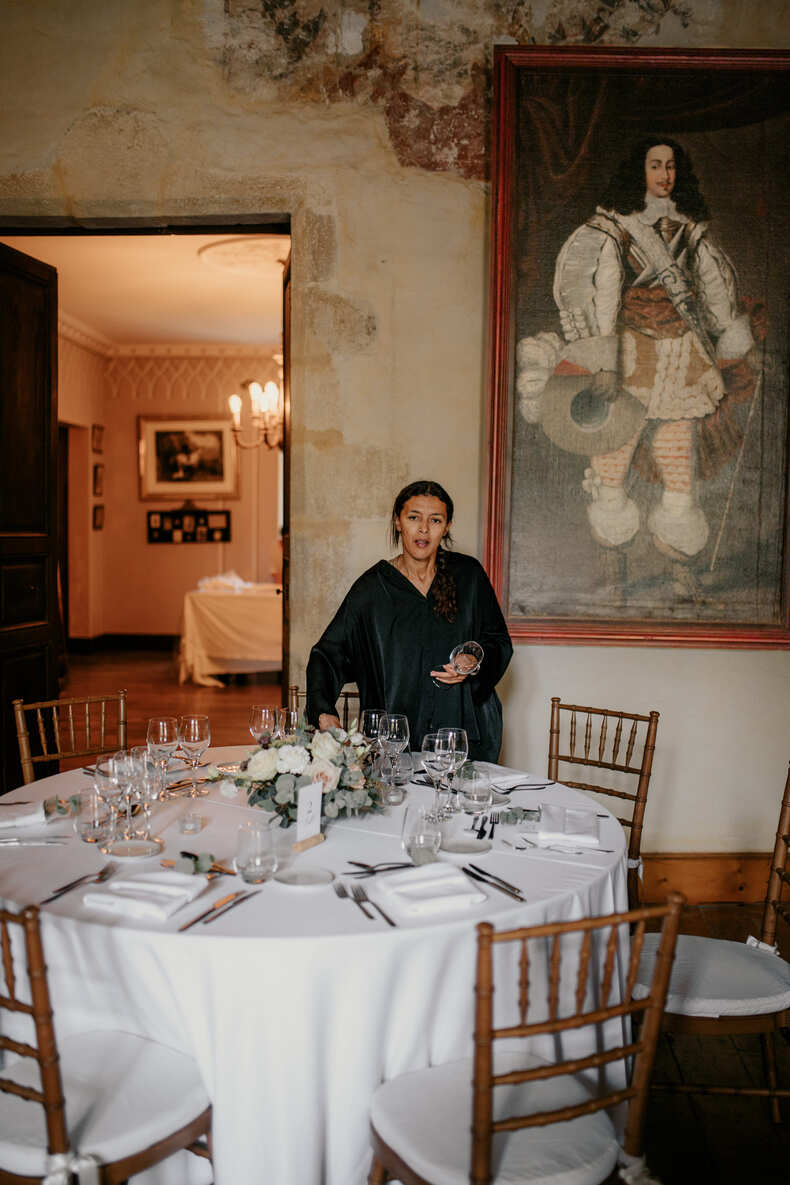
(325, 722)
(448, 674)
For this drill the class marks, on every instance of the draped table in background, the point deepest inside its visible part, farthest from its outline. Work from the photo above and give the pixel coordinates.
(231, 631)
(294, 1005)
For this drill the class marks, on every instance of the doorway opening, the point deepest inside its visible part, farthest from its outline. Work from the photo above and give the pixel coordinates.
(156, 329)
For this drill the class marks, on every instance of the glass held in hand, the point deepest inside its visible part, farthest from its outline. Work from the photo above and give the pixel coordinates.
(256, 852)
(393, 739)
(421, 836)
(465, 659)
(263, 723)
(161, 737)
(194, 737)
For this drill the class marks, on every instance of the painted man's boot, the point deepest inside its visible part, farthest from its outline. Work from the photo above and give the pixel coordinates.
(678, 525)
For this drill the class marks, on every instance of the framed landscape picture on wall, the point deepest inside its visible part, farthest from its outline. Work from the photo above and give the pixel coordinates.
(186, 457)
(638, 396)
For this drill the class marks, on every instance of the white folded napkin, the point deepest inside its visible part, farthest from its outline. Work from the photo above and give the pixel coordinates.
(430, 889)
(567, 825)
(149, 895)
(21, 815)
(503, 778)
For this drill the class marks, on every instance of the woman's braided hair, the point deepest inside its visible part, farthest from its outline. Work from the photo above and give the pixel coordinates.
(443, 587)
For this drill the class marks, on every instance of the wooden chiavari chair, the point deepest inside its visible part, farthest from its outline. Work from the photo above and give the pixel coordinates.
(52, 729)
(113, 1104)
(533, 1119)
(347, 704)
(615, 748)
(720, 988)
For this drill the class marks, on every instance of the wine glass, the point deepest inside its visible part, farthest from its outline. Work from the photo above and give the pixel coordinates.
(194, 737)
(148, 784)
(465, 659)
(162, 739)
(287, 722)
(421, 836)
(437, 760)
(369, 727)
(108, 790)
(393, 739)
(122, 776)
(458, 744)
(263, 723)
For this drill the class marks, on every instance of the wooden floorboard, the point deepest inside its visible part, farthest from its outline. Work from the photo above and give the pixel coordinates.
(688, 1141)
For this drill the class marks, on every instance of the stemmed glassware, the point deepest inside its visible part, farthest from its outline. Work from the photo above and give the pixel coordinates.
(369, 727)
(194, 737)
(393, 739)
(437, 760)
(148, 785)
(287, 722)
(263, 723)
(162, 740)
(465, 659)
(458, 745)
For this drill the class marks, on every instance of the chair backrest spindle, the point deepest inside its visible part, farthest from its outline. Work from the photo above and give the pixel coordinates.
(65, 728)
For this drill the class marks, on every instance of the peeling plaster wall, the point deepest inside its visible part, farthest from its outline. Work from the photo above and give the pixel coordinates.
(368, 123)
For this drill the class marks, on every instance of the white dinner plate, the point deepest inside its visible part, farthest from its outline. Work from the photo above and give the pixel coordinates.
(461, 847)
(305, 878)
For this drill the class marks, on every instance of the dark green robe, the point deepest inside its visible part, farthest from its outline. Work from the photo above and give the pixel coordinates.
(387, 638)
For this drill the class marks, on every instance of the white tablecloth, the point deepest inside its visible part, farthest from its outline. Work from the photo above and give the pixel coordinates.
(295, 1005)
(231, 632)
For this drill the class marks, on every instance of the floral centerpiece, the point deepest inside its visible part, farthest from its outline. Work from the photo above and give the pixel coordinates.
(342, 761)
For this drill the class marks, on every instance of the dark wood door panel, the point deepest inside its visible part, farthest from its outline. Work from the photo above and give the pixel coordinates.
(28, 492)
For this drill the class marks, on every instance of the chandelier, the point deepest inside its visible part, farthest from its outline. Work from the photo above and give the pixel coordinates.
(266, 415)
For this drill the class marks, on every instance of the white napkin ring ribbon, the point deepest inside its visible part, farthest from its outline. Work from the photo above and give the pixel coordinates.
(62, 1165)
(637, 864)
(634, 1171)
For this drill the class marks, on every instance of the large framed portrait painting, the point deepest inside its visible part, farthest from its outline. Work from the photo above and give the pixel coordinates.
(639, 346)
(186, 457)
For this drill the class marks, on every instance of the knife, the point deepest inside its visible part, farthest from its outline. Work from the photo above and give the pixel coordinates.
(493, 885)
(212, 909)
(31, 843)
(225, 909)
(494, 877)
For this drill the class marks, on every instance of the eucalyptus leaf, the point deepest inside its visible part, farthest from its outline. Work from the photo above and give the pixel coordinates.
(185, 864)
(204, 861)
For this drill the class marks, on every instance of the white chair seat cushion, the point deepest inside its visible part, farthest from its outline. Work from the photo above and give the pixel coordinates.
(426, 1117)
(714, 977)
(123, 1093)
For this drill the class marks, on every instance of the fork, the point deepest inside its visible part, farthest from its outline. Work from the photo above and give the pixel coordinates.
(90, 878)
(343, 892)
(493, 820)
(360, 896)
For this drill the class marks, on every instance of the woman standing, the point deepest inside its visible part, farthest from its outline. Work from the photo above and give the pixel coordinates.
(397, 625)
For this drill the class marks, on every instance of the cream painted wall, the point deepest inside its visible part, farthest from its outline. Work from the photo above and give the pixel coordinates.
(162, 111)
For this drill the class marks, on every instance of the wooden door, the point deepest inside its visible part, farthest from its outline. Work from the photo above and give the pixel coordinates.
(28, 492)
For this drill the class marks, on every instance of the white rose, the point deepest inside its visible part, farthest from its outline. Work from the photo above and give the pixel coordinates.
(262, 766)
(325, 746)
(324, 771)
(291, 759)
(357, 739)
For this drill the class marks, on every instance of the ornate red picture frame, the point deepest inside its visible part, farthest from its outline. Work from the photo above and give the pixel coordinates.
(638, 398)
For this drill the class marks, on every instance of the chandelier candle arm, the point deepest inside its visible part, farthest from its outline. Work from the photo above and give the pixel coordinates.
(267, 415)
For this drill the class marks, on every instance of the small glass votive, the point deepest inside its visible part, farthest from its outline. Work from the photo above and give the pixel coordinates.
(92, 818)
(190, 823)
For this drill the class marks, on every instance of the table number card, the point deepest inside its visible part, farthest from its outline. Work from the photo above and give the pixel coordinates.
(308, 816)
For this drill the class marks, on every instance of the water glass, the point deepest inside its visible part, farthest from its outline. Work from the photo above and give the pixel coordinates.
(474, 789)
(263, 723)
(256, 852)
(92, 818)
(421, 836)
(467, 658)
(393, 739)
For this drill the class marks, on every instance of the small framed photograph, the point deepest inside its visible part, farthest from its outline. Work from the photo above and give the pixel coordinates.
(98, 518)
(97, 438)
(186, 457)
(98, 481)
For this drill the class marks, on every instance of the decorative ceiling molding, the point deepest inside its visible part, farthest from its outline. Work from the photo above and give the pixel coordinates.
(74, 330)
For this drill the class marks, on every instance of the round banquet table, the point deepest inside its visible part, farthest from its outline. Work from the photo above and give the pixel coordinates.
(295, 1005)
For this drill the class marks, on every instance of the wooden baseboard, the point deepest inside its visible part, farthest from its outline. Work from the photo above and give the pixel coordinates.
(706, 876)
(103, 642)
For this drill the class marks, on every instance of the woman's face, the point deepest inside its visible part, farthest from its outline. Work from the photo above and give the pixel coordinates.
(660, 170)
(422, 524)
